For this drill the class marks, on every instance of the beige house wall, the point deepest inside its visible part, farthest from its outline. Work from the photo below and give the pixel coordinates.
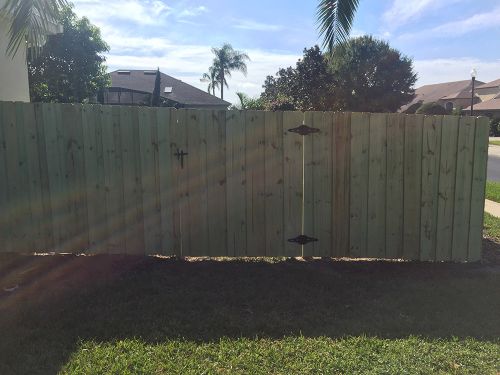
(13, 71)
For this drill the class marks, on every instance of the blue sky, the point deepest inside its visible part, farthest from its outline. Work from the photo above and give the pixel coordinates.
(446, 38)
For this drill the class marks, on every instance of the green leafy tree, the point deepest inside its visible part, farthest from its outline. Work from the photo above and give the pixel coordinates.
(335, 21)
(71, 66)
(432, 108)
(226, 61)
(30, 22)
(307, 86)
(156, 97)
(212, 79)
(371, 76)
(248, 103)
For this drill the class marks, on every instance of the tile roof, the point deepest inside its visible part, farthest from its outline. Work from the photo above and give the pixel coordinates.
(495, 83)
(489, 105)
(432, 93)
(181, 92)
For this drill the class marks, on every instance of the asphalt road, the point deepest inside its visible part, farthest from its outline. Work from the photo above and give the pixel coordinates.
(493, 166)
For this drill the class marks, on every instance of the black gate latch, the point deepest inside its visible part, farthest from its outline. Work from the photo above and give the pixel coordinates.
(303, 239)
(180, 156)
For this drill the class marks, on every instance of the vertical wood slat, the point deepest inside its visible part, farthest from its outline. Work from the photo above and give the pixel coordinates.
(194, 166)
(318, 184)
(431, 152)
(412, 186)
(394, 186)
(359, 154)
(478, 189)
(446, 190)
(274, 164)
(216, 183)
(151, 214)
(166, 183)
(132, 182)
(293, 186)
(4, 194)
(181, 137)
(463, 185)
(255, 182)
(235, 171)
(341, 183)
(377, 186)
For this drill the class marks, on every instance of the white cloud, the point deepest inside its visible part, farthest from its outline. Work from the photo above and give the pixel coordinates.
(404, 11)
(256, 26)
(481, 21)
(192, 12)
(457, 69)
(142, 12)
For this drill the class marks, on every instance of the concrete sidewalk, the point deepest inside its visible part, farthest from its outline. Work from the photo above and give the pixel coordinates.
(493, 208)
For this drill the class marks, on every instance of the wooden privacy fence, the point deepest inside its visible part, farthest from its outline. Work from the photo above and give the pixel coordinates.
(136, 180)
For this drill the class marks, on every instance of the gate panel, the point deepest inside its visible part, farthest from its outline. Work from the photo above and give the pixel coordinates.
(293, 186)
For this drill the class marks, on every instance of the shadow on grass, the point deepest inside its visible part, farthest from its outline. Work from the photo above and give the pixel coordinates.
(63, 300)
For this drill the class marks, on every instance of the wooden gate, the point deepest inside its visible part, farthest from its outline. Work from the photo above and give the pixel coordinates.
(136, 180)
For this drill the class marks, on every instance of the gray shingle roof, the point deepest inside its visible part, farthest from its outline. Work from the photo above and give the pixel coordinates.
(181, 92)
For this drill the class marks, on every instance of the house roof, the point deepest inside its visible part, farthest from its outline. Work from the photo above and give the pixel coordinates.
(178, 91)
(495, 83)
(489, 105)
(434, 92)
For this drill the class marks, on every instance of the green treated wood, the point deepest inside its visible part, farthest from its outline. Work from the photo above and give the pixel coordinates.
(4, 185)
(308, 143)
(216, 183)
(359, 163)
(177, 136)
(182, 175)
(377, 179)
(156, 191)
(293, 178)
(255, 182)
(274, 163)
(463, 185)
(478, 189)
(167, 192)
(446, 191)
(152, 227)
(132, 187)
(75, 172)
(46, 217)
(431, 151)
(30, 141)
(395, 186)
(236, 183)
(412, 186)
(319, 183)
(24, 229)
(53, 140)
(195, 164)
(341, 183)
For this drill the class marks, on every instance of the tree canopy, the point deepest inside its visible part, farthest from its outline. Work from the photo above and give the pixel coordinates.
(364, 74)
(71, 66)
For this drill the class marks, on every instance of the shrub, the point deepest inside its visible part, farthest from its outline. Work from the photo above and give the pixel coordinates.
(431, 108)
(413, 108)
(495, 127)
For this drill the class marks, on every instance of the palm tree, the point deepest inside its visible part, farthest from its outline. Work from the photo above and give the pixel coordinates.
(226, 61)
(335, 21)
(211, 78)
(30, 21)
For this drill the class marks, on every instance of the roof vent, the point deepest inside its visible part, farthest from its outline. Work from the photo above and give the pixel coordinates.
(168, 90)
(123, 71)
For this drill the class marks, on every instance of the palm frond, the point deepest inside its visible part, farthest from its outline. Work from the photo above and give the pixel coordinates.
(30, 21)
(334, 19)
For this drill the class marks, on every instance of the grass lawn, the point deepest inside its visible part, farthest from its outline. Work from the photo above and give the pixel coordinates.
(127, 315)
(496, 143)
(493, 191)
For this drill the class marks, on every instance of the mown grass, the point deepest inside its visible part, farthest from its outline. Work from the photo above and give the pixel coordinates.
(492, 226)
(495, 143)
(124, 315)
(493, 191)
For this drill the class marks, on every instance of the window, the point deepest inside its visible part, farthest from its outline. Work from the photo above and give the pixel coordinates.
(449, 106)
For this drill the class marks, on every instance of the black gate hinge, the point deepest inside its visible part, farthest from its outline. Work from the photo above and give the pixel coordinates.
(303, 239)
(303, 130)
